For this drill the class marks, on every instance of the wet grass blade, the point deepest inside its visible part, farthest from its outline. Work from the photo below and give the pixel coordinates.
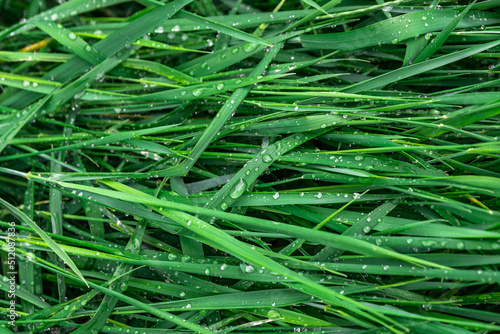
(228, 30)
(436, 42)
(395, 30)
(53, 245)
(415, 69)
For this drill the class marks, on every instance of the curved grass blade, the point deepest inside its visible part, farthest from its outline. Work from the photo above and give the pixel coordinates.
(60, 12)
(329, 5)
(396, 29)
(439, 40)
(228, 30)
(51, 243)
(125, 136)
(142, 42)
(70, 40)
(416, 69)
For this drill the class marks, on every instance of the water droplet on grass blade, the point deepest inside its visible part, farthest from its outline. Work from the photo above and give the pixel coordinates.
(198, 91)
(273, 314)
(267, 158)
(238, 189)
(248, 47)
(249, 269)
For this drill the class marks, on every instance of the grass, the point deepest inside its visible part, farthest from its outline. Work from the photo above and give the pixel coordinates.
(195, 166)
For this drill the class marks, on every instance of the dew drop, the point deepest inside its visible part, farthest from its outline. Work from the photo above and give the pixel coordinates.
(248, 47)
(198, 91)
(249, 269)
(267, 158)
(273, 314)
(238, 189)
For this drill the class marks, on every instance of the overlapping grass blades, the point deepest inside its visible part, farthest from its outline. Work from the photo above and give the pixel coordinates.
(193, 166)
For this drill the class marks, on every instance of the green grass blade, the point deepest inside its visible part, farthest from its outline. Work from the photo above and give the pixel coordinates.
(228, 30)
(414, 69)
(436, 43)
(53, 245)
(395, 30)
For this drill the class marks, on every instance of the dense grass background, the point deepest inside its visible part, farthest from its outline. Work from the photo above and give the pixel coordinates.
(250, 166)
